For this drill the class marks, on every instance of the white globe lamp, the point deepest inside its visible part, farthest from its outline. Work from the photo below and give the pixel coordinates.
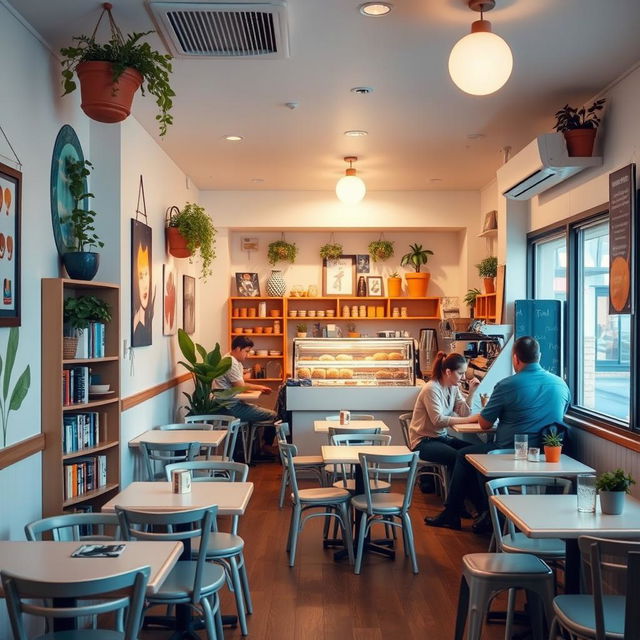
(350, 189)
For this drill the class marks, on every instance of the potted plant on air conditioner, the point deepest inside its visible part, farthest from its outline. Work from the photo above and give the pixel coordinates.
(78, 313)
(81, 263)
(470, 299)
(552, 442)
(579, 127)
(301, 331)
(612, 487)
(188, 230)
(417, 282)
(351, 330)
(394, 285)
(487, 270)
(381, 250)
(111, 73)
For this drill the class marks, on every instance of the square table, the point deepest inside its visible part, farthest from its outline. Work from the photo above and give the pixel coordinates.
(322, 426)
(472, 427)
(172, 436)
(246, 396)
(557, 516)
(504, 465)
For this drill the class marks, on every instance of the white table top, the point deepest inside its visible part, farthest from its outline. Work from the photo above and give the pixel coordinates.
(322, 426)
(504, 465)
(174, 436)
(52, 561)
(249, 395)
(557, 516)
(231, 498)
(471, 427)
(349, 454)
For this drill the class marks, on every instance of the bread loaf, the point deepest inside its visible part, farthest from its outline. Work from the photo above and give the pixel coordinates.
(332, 372)
(325, 357)
(344, 356)
(395, 355)
(318, 373)
(380, 356)
(346, 373)
(303, 372)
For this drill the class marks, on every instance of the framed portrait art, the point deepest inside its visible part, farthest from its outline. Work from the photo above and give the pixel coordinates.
(247, 285)
(143, 295)
(339, 276)
(169, 301)
(375, 288)
(10, 249)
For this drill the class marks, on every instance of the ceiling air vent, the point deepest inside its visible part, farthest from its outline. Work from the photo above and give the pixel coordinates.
(229, 30)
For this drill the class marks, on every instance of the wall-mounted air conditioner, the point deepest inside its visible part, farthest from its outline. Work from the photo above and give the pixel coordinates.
(542, 164)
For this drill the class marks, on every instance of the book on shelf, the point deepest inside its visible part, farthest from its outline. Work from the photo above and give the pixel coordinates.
(80, 431)
(75, 385)
(84, 475)
(91, 341)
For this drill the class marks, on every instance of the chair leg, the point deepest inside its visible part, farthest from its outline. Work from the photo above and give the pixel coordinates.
(283, 486)
(295, 530)
(347, 536)
(361, 536)
(407, 532)
(290, 529)
(237, 588)
(511, 605)
(463, 605)
(244, 578)
(209, 618)
(477, 611)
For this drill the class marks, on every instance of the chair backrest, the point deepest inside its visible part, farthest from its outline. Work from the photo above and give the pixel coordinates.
(501, 451)
(405, 422)
(282, 431)
(360, 438)
(530, 485)
(17, 589)
(287, 453)
(166, 453)
(375, 465)
(172, 525)
(354, 416)
(181, 426)
(217, 420)
(74, 526)
(231, 424)
(610, 561)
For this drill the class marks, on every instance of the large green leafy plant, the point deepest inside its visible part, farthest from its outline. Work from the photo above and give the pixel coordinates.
(616, 480)
(488, 267)
(416, 257)
(81, 311)
(196, 227)
(12, 399)
(569, 118)
(205, 399)
(80, 220)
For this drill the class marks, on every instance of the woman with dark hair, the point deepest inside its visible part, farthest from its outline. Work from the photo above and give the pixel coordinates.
(439, 405)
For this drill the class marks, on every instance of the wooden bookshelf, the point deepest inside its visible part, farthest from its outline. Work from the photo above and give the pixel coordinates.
(54, 292)
(485, 308)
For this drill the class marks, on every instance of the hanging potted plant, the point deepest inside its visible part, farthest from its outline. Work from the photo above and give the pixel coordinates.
(417, 282)
(612, 487)
(579, 127)
(81, 263)
(470, 299)
(79, 312)
(394, 285)
(111, 73)
(188, 230)
(552, 442)
(381, 250)
(279, 251)
(330, 251)
(487, 270)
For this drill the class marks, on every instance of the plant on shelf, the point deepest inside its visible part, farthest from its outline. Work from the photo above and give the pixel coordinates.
(330, 251)
(487, 270)
(612, 486)
(351, 330)
(11, 399)
(81, 263)
(381, 250)
(190, 229)
(111, 73)
(394, 285)
(79, 312)
(205, 400)
(470, 298)
(552, 441)
(417, 282)
(579, 127)
(282, 251)
(301, 331)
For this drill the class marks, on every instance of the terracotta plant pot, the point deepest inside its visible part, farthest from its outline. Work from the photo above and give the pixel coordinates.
(580, 142)
(552, 454)
(178, 245)
(353, 334)
(394, 287)
(489, 285)
(417, 283)
(102, 100)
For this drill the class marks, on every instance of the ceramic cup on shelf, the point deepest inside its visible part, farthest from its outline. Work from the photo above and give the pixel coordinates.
(293, 313)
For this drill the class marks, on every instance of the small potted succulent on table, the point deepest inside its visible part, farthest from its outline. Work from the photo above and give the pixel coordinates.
(612, 487)
(552, 442)
(579, 127)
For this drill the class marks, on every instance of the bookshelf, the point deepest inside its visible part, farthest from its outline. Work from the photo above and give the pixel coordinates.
(95, 424)
(485, 308)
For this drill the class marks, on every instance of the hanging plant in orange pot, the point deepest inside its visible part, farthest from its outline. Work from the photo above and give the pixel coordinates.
(417, 282)
(579, 127)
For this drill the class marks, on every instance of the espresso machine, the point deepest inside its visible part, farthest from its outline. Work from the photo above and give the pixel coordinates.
(426, 351)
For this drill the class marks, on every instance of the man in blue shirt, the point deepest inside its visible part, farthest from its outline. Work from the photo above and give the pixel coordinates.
(523, 403)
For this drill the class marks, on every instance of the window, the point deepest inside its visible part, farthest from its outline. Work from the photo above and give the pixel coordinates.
(551, 268)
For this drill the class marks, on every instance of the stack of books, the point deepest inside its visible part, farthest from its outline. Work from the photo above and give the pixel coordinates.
(75, 385)
(91, 341)
(80, 431)
(84, 475)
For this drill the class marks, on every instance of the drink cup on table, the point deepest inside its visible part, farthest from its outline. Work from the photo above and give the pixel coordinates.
(586, 493)
(534, 454)
(345, 417)
(521, 444)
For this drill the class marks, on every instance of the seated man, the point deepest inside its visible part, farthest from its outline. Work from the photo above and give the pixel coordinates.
(523, 403)
(246, 411)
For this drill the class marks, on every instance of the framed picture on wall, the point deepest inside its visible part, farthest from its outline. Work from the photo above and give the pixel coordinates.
(339, 276)
(142, 292)
(375, 288)
(10, 249)
(189, 304)
(169, 301)
(363, 263)
(247, 285)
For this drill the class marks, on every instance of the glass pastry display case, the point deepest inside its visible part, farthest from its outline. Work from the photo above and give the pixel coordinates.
(354, 361)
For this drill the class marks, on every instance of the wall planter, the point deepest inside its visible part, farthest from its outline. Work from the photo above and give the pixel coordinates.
(417, 284)
(177, 243)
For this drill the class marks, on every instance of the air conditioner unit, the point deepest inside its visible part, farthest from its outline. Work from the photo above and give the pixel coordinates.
(543, 163)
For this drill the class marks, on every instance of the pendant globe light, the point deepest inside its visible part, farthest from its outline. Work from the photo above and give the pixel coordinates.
(350, 189)
(481, 62)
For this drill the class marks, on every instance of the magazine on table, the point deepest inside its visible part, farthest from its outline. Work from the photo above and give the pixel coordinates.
(98, 551)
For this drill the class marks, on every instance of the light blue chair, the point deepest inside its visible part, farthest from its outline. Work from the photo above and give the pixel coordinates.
(165, 453)
(230, 424)
(75, 526)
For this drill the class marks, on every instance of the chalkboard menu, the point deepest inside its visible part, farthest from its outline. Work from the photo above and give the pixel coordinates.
(542, 320)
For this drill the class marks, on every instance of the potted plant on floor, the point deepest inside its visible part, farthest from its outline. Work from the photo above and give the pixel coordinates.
(417, 282)
(381, 250)
(188, 230)
(470, 299)
(579, 127)
(79, 312)
(111, 73)
(612, 487)
(552, 442)
(488, 270)
(81, 263)
(394, 285)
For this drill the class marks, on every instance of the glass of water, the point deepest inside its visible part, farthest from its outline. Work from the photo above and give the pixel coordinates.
(521, 444)
(587, 493)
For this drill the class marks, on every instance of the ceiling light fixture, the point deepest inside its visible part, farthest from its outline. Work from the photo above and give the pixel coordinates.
(350, 189)
(356, 133)
(234, 138)
(481, 62)
(375, 9)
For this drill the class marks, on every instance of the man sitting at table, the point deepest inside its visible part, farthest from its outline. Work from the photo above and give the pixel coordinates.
(246, 411)
(523, 403)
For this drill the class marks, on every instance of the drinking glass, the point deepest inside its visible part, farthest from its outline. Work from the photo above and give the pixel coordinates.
(521, 444)
(586, 493)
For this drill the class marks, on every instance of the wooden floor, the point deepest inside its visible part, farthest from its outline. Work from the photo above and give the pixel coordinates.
(320, 599)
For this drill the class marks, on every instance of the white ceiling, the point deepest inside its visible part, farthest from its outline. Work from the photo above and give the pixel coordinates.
(418, 121)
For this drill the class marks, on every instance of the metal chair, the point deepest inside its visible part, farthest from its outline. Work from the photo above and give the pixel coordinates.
(194, 584)
(383, 508)
(426, 468)
(354, 416)
(74, 526)
(105, 595)
(230, 424)
(333, 502)
(166, 453)
(600, 615)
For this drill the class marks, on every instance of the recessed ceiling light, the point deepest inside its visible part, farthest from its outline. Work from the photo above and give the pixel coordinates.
(375, 9)
(257, 180)
(435, 180)
(233, 138)
(475, 136)
(362, 91)
(356, 133)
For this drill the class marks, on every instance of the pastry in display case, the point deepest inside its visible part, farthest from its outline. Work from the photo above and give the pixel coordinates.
(354, 361)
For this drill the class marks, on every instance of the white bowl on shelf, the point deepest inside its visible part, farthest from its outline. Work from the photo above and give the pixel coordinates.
(99, 388)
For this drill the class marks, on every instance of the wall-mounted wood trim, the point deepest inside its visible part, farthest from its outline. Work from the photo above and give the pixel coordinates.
(147, 394)
(21, 450)
(621, 437)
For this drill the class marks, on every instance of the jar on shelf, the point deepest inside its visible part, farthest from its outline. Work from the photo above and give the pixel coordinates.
(276, 326)
(235, 312)
(252, 312)
(403, 312)
(345, 311)
(362, 311)
(354, 311)
(243, 312)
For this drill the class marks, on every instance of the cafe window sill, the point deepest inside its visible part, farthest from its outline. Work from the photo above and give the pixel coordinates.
(618, 435)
